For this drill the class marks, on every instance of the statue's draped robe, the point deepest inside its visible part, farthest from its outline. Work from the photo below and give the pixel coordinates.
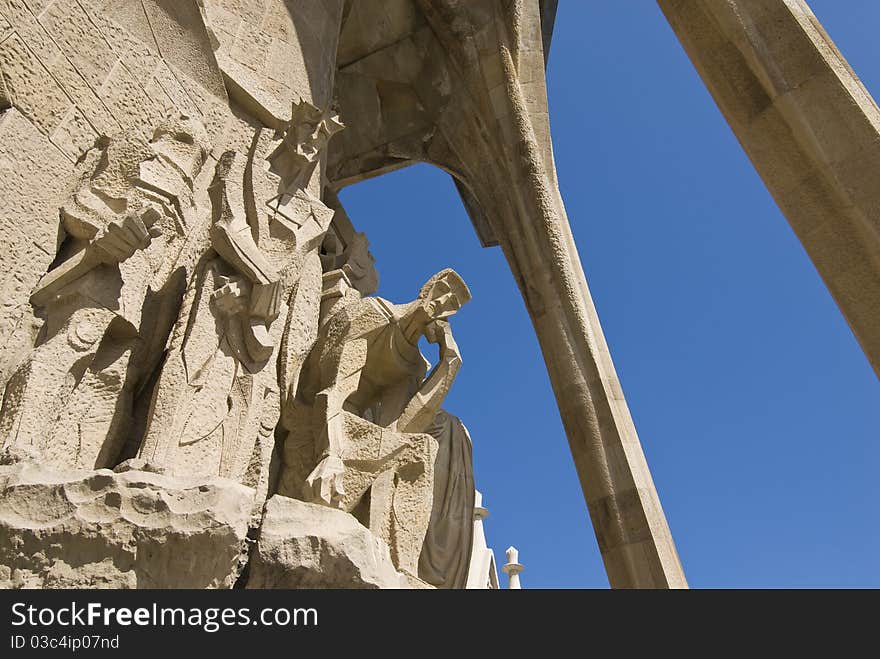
(446, 553)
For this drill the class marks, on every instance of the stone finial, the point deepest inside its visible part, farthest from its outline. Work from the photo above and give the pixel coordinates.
(480, 513)
(513, 568)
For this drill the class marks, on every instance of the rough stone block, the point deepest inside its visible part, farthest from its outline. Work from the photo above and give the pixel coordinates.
(303, 545)
(102, 529)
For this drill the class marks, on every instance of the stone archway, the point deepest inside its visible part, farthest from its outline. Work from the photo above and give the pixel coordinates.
(463, 88)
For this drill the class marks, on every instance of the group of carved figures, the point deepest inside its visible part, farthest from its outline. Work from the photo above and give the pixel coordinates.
(207, 316)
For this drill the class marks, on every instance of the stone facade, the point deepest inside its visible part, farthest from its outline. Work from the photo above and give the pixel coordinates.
(192, 358)
(188, 313)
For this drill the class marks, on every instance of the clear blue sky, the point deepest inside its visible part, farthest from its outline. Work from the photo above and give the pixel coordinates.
(757, 410)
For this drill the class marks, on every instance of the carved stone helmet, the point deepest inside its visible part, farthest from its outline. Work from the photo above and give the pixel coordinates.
(310, 129)
(184, 142)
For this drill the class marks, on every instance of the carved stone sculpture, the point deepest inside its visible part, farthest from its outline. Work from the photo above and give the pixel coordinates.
(254, 301)
(358, 440)
(218, 228)
(167, 323)
(106, 297)
(446, 553)
(347, 251)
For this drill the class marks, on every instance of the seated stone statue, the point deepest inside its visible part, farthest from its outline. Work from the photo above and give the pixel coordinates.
(357, 435)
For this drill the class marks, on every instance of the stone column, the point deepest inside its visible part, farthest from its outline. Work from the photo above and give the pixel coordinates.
(630, 526)
(809, 127)
(532, 227)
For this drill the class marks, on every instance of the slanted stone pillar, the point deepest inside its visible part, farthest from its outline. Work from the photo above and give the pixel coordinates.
(630, 526)
(811, 130)
(509, 169)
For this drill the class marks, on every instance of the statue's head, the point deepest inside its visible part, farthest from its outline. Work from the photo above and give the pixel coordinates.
(184, 142)
(444, 294)
(303, 139)
(309, 130)
(123, 172)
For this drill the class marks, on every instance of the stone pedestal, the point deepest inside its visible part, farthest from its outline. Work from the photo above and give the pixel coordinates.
(102, 529)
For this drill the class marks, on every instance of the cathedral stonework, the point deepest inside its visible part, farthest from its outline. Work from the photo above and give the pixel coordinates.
(200, 386)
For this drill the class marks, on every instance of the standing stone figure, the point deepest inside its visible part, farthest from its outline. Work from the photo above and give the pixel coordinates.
(358, 437)
(251, 313)
(106, 296)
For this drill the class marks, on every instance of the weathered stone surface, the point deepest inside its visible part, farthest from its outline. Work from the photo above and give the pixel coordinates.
(192, 144)
(33, 176)
(446, 553)
(373, 457)
(304, 545)
(102, 529)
